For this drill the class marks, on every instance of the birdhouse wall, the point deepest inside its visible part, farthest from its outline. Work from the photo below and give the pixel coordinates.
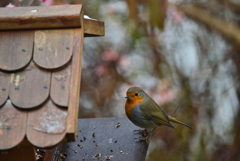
(40, 73)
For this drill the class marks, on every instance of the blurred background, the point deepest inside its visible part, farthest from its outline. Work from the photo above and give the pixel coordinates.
(183, 53)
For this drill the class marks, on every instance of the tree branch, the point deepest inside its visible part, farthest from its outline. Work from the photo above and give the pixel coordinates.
(229, 30)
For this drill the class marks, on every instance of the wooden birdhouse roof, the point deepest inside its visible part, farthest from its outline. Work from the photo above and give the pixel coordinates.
(40, 73)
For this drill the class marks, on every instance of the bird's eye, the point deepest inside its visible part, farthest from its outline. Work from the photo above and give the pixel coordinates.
(136, 94)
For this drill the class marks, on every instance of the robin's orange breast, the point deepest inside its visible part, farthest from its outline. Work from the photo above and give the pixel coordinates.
(130, 103)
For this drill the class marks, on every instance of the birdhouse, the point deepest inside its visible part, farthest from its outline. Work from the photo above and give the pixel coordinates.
(40, 74)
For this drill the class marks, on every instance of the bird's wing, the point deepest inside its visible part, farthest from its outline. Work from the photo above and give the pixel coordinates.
(153, 113)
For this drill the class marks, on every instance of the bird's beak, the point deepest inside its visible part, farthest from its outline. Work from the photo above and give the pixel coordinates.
(127, 96)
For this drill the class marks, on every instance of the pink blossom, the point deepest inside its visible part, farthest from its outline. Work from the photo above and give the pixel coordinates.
(10, 5)
(111, 9)
(164, 97)
(177, 16)
(100, 70)
(53, 2)
(18, 0)
(163, 93)
(124, 62)
(110, 55)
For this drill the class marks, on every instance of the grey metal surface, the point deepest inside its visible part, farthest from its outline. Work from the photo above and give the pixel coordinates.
(102, 139)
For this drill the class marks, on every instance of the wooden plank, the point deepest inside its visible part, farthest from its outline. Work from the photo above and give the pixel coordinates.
(75, 85)
(46, 126)
(60, 86)
(40, 17)
(53, 48)
(23, 152)
(93, 28)
(4, 87)
(53, 153)
(12, 126)
(30, 87)
(101, 136)
(15, 49)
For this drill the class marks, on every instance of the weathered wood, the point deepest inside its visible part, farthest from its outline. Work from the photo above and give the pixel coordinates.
(103, 136)
(46, 126)
(53, 48)
(23, 152)
(15, 49)
(93, 28)
(30, 87)
(53, 153)
(12, 126)
(4, 87)
(60, 86)
(75, 84)
(40, 17)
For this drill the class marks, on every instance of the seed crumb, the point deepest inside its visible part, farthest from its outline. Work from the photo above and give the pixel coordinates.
(118, 125)
(97, 156)
(109, 157)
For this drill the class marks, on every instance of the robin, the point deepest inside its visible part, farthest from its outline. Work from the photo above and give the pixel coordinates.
(144, 112)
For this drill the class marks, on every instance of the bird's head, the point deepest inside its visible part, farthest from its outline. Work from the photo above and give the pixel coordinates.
(135, 94)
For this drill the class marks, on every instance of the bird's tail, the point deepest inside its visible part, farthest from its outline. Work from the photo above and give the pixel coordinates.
(172, 119)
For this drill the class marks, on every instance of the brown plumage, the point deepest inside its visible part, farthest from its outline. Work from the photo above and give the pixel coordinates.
(144, 112)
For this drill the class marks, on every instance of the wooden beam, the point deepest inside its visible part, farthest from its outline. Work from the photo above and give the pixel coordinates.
(93, 28)
(49, 17)
(74, 94)
(40, 17)
(53, 153)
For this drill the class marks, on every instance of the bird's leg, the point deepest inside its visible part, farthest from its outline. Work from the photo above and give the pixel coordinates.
(142, 131)
(146, 138)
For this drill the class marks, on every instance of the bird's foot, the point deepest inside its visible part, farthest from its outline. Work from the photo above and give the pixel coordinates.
(145, 135)
(143, 132)
(143, 139)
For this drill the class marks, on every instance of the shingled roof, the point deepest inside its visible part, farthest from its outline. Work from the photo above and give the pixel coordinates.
(40, 74)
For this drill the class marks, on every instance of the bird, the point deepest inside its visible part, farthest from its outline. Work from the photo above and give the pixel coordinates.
(145, 113)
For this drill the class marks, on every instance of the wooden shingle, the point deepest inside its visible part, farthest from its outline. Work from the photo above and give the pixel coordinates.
(40, 73)
(16, 49)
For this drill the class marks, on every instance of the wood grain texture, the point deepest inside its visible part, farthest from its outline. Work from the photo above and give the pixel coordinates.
(75, 85)
(53, 153)
(60, 86)
(4, 87)
(93, 28)
(107, 141)
(15, 49)
(30, 87)
(46, 126)
(53, 48)
(40, 17)
(12, 126)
